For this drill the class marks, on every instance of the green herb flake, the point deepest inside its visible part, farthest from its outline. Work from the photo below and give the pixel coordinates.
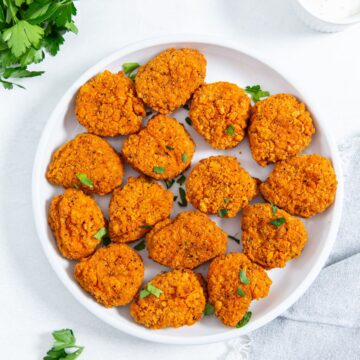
(209, 309)
(273, 208)
(240, 292)
(85, 180)
(169, 147)
(169, 183)
(184, 157)
(226, 200)
(144, 293)
(243, 278)
(234, 239)
(222, 212)
(188, 121)
(158, 169)
(256, 92)
(183, 202)
(140, 246)
(146, 226)
(278, 222)
(106, 240)
(129, 67)
(186, 107)
(150, 289)
(175, 198)
(244, 320)
(148, 113)
(101, 233)
(132, 76)
(230, 130)
(181, 179)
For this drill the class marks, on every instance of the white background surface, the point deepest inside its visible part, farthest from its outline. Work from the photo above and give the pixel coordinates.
(32, 300)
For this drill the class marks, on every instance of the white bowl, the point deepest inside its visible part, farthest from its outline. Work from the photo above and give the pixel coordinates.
(321, 24)
(225, 62)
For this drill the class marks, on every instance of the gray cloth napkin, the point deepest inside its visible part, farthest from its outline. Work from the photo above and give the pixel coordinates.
(325, 323)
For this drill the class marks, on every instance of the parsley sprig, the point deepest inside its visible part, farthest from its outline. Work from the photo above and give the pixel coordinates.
(256, 92)
(28, 29)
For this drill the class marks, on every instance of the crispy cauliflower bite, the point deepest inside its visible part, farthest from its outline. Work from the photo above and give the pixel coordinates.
(304, 185)
(266, 244)
(187, 241)
(74, 219)
(140, 203)
(224, 281)
(280, 127)
(161, 150)
(220, 112)
(219, 182)
(168, 80)
(90, 155)
(113, 275)
(182, 301)
(107, 105)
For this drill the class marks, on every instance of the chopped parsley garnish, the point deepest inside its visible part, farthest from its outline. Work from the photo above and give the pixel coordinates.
(244, 320)
(278, 222)
(106, 240)
(240, 292)
(85, 180)
(184, 157)
(146, 226)
(256, 92)
(181, 179)
(234, 238)
(243, 278)
(183, 201)
(101, 233)
(64, 347)
(273, 208)
(150, 289)
(226, 200)
(169, 183)
(230, 130)
(129, 67)
(175, 198)
(169, 147)
(140, 246)
(222, 212)
(209, 309)
(148, 113)
(158, 169)
(188, 121)
(186, 107)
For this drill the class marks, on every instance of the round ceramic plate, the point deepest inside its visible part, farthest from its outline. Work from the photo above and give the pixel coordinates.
(226, 62)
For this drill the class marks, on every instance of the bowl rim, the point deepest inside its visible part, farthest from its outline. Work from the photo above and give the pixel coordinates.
(351, 20)
(140, 332)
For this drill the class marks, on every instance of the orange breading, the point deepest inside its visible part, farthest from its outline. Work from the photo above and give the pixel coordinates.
(168, 80)
(187, 241)
(266, 244)
(113, 275)
(181, 302)
(280, 127)
(90, 155)
(224, 281)
(140, 203)
(219, 182)
(304, 185)
(74, 219)
(161, 150)
(107, 105)
(220, 112)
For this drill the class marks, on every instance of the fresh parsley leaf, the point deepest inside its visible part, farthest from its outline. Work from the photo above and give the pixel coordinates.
(169, 147)
(234, 239)
(244, 320)
(222, 212)
(183, 202)
(150, 289)
(175, 198)
(129, 67)
(63, 338)
(101, 233)
(85, 180)
(226, 200)
(240, 292)
(8, 85)
(19, 72)
(144, 293)
(53, 41)
(243, 278)
(140, 246)
(106, 240)
(31, 56)
(146, 226)
(273, 208)
(256, 92)
(230, 130)
(278, 222)
(169, 183)
(184, 157)
(209, 309)
(188, 121)
(180, 180)
(158, 169)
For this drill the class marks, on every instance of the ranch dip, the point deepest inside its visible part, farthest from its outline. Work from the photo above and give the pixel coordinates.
(333, 9)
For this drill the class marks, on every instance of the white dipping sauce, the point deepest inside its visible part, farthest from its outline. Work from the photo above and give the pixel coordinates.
(333, 9)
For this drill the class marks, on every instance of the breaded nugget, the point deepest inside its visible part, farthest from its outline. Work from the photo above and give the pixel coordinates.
(86, 156)
(181, 301)
(135, 208)
(75, 218)
(219, 185)
(280, 127)
(220, 112)
(107, 105)
(161, 150)
(168, 80)
(187, 241)
(304, 185)
(269, 244)
(228, 292)
(113, 275)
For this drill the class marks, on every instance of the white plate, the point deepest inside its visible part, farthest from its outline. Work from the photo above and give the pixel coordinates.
(225, 62)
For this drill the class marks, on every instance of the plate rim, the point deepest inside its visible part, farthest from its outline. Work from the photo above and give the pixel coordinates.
(334, 154)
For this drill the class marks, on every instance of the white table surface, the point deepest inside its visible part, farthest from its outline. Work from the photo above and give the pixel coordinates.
(33, 302)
